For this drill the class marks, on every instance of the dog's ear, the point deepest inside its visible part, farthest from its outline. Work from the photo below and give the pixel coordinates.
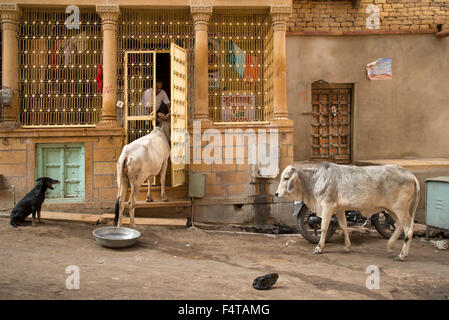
(40, 179)
(291, 182)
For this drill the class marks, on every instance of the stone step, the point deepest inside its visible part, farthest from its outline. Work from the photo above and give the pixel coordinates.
(172, 193)
(70, 216)
(176, 222)
(108, 218)
(161, 204)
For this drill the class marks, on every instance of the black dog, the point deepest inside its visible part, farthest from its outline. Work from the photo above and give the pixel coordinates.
(32, 202)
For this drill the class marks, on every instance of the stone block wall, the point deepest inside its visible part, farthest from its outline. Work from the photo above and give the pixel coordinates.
(234, 193)
(13, 160)
(106, 152)
(395, 16)
(101, 150)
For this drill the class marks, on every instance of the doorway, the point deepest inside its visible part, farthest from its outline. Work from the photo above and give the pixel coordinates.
(163, 70)
(142, 68)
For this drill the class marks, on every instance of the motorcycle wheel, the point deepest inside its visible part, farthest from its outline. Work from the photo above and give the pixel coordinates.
(306, 228)
(384, 224)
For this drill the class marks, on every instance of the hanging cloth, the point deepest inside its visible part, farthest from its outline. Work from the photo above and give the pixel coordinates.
(251, 70)
(99, 79)
(236, 58)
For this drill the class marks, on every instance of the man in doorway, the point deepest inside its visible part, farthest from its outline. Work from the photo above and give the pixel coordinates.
(162, 103)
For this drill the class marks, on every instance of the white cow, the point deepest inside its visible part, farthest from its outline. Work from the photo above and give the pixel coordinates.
(141, 160)
(332, 189)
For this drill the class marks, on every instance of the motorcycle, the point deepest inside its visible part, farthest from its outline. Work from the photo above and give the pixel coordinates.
(309, 224)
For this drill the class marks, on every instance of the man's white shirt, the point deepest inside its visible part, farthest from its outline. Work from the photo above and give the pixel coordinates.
(146, 103)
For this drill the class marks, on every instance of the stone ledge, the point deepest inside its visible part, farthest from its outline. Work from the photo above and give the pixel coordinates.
(356, 33)
(422, 163)
(31, 132)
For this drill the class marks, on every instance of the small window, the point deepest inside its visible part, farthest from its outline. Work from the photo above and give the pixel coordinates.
(63, 162)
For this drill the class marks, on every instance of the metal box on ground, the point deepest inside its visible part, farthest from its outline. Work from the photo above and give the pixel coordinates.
(437, 203)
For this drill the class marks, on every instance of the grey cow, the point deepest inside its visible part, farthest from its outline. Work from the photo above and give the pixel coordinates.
(333, 189)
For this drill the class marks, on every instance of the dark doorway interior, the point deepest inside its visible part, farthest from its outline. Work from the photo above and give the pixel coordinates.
(163, 71)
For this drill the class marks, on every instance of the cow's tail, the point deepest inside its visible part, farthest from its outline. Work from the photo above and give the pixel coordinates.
(414, 206)
(122, 183)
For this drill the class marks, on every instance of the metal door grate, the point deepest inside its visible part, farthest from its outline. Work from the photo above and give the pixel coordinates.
(179, 134)
(140, 78)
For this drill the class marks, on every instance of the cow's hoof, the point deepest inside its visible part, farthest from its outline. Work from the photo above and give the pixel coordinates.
(149, 199)
(400, 258)
(316, 251)
(164, 199)
(347, 250)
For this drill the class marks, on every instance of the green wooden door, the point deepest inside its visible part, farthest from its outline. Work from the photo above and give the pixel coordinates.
(63, 162)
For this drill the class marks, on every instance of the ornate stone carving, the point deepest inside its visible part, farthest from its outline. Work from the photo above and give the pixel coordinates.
(108, 122)
(109, 16)
(281, 9)
(9, 16)
(279, 17)
(201, 9)
(201, 16)
(10, 124)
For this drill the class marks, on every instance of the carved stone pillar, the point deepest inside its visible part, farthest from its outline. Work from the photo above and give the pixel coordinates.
(279, 17)
(201, 16)
(109, 16)
(10, 14)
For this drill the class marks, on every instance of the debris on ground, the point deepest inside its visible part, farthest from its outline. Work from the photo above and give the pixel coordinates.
(420, 231)
(152, 269)
(440, 244)
(289, 241)
(265, 282)
(355, 231)
(281, 229)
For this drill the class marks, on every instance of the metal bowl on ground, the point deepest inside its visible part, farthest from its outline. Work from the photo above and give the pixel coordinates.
(115, 237)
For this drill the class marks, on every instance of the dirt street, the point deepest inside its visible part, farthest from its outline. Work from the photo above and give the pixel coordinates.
(190, 263)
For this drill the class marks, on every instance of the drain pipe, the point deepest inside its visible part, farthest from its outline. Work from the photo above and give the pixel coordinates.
(197, 188)
(191, 219)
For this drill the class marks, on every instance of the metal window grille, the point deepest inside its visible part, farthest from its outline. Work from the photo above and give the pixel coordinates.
(240, 67)
(154, 30)
(58, 68)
